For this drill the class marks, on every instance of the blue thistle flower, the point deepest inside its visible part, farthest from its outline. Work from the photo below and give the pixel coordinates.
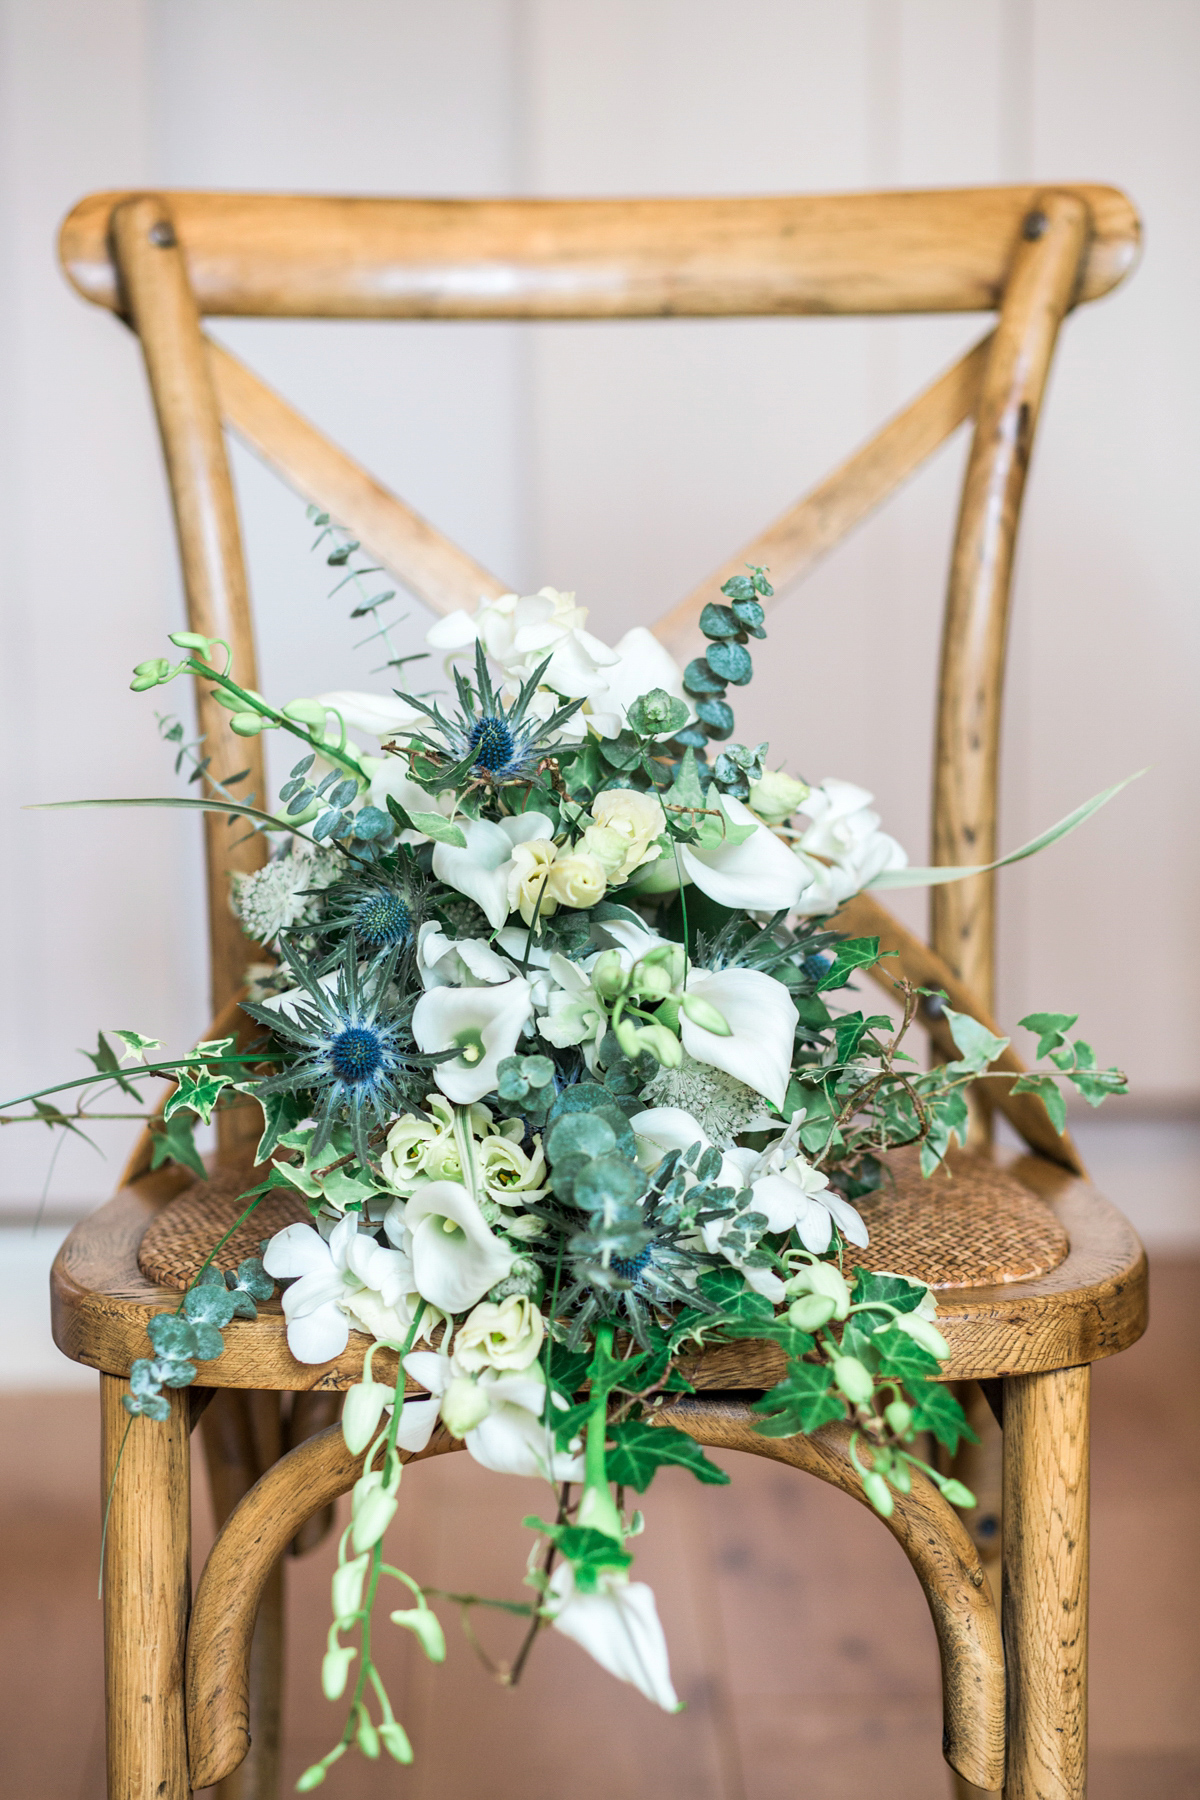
(378, 909)
(351, 1048)
(489, 741)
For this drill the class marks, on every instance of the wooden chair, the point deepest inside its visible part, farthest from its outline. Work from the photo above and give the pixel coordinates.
(1038, 1275)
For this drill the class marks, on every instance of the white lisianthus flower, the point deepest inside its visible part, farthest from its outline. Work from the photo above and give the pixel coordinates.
(576, 879)
(618, 1626)
(456, 1258)
(575, 1013)
(503, 1335)
(458, 962)
(795, 1196)
(529, 879)
(507, 1174)
(842, 846)
(760, 874)
(762, 1024)
(483, 1023)
(484, 869)
(348, 1279)
(638, 819)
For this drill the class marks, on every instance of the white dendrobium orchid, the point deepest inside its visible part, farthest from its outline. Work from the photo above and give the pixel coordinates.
(574, 1012)
(760, 874)
(762, 1024)
(618, 1626)
(458, 962)
(482, 871)
(794, 1195)
(844, 832)
(456, 1258)
(510, 1437)
(349, 1279)
(483, 1023)
(379, 715)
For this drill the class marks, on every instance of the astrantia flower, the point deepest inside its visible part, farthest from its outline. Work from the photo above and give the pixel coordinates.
(287, 892)
(350, 1049)
(722, 1105)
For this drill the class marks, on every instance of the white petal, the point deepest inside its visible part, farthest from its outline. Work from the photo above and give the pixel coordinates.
(430, 1368)
(848, 1219)
(521, 827)
(619, 1627)
(516, 1387)
(455, 632)
(782, 1201)
(313, 1291)
(417, 1420)
(453, 1269)
(479, 871)
(296, 1250)
(319, 1336)
(513, 1441)
(442, 1016)
(762, 1022)
(378, 714)
(760, 874)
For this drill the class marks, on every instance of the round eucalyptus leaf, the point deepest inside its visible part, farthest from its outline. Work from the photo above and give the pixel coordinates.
(701, 678)
(608, 1181)
(717, 715)
(209, 1304)
(171, 1335)
(580, 1134)
(182, 1373)
(209, 1342)
(253, 1279)
(730, 662)
(720, 622)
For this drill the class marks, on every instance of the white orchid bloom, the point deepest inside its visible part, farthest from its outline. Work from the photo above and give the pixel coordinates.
(456, 1258)
(842, 846)
(458, 962)
(573, 1012)
(619, 1627)
(511, 1438)
(795, 1196)
(512, 940)
(379, 715)
(520, 632)
(483, 1023)
(349, 1278)
(762, 1024)
(760, 874)
(482, 870)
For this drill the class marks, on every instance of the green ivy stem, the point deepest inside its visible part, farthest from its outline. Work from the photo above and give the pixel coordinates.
(219, 1246)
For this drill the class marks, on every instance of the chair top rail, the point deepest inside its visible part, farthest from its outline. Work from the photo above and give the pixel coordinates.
(326, 256)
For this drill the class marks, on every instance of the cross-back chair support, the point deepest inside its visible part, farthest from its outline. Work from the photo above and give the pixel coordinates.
(162, 262)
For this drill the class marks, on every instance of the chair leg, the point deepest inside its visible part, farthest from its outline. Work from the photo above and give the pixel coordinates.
(1045, 1607)
(147, 1594)
(242, 1439)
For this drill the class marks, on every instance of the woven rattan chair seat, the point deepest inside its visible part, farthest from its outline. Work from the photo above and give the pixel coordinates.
(973, 1226)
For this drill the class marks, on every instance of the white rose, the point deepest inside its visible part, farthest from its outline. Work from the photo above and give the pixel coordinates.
(639, 818)
(577, 880)
(529, 873)
(504, 1336)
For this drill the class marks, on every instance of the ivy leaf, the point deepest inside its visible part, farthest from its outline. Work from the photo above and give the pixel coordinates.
(641, 1449)
(1050, 1095)
(900, 1356)
(1097, 1084)
(935, 1409)
(801, 1402)
(852, 953)
(197, 1091)
(174, 1141)
(1052, 1029)
(904, 1295)
(136, 1045)
(105, 1059)
(979, 1046)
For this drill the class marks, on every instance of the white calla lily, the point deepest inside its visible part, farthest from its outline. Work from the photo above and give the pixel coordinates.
(762, 1024)
(456, 1258)
(484, 1023)
(483, 869)
(760, 874)
(347, 1279)
(618, 1626)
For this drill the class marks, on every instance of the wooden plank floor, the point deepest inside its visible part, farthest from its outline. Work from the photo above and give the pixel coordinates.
(799, 1638)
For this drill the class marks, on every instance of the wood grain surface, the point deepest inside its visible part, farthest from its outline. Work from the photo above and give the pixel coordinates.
(329, 257)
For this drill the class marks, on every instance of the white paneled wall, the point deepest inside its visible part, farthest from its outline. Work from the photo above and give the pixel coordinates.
(619, 460)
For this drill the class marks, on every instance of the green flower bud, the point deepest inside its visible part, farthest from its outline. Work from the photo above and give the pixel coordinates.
(822, 1278)
(703, 1013)
(853, 1379)
(314, 1777)
(361, 1413)
(248, 724)
(372, 1516)
(335, 1668)
(306, 712)
(192, 640)
(650, 980)
(348, 1586)
(426, 1627)
(464, 1405)
(368, 1737)
(877, 1492)
(956, 1493)
(900, 1475)
(925, 1333)
(899, 1417)
(811, 1311)
(150, 674)
(662, 1044)
(776, 796)
(608, 977)
(395, 1741)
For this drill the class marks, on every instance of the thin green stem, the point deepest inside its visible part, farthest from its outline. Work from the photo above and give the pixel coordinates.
(108, 1502)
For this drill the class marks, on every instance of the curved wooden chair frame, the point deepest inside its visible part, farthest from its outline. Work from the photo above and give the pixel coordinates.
(1015, 1717)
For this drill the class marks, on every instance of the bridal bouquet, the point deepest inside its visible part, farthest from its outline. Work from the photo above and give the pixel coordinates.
(559, 1049)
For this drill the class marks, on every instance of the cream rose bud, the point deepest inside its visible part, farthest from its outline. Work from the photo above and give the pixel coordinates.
(776, 797)
(531, 866)
(507, 1335)
(638, 818)
(606, 845)
(509, 1176)
(577, 880)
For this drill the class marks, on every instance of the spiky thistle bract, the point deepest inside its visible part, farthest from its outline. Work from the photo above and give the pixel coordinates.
(488, 741)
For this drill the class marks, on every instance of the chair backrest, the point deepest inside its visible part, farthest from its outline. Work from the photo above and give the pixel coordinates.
(162, 261)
